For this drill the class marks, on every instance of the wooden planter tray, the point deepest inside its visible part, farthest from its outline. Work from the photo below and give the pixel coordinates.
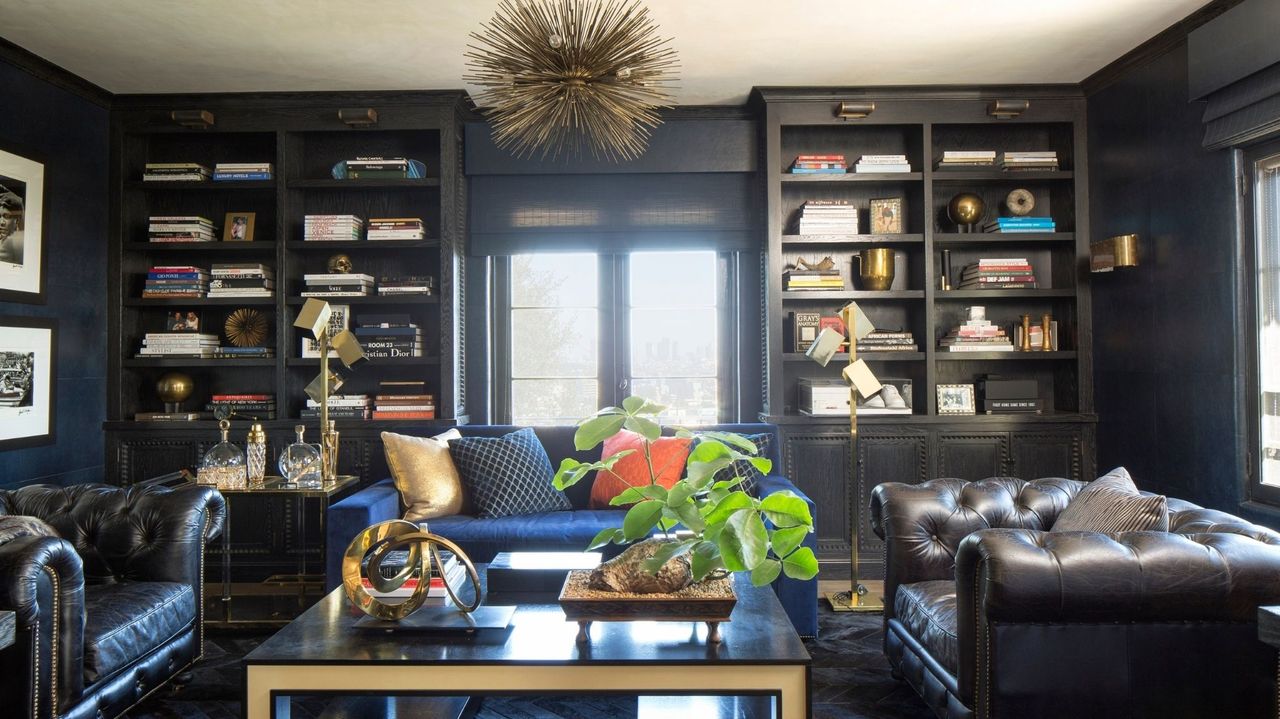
(711, 602)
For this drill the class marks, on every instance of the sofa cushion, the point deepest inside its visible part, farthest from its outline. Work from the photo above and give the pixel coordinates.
(481, 539)
(1112, 503)
(424, 474)
(928, 610)
(668, 454)
(508, 475)
(742, 468)
(125, 621)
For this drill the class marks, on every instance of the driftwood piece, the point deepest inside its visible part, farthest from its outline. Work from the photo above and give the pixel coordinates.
(624, 573)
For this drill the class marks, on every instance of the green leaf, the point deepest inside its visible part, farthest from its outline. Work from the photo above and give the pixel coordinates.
(667, 523)
(690, 517)
(596, 430)
(704, 559)
(785, 509)
(708, 450)
(768, 571)
(569, 473)
(633, 404)
(801, 564)
(785, 541)
(763, 465)
(730, 438)
(680, 493)
(641, 519)
(744, 542)
(666, 553)
(630, 495)
(700, 471)
(604, 537)
(646, 428)
(734, 502)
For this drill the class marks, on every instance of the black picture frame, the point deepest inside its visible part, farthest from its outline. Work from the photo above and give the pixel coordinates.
(18, 153)
(46, 401)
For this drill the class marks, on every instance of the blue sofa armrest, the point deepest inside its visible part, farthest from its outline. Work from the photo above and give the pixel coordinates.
(376, 503)
(798, 597)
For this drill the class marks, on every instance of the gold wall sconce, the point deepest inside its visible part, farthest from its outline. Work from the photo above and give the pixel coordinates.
(1007, 109)
(358, 116)
(855, 110)
(193, 119)
(1112, 253)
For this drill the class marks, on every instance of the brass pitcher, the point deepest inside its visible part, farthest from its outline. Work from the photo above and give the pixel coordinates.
(875, 268)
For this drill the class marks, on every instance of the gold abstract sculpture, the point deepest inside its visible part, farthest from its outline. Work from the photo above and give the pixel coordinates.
(966, 209)
(423, 550)
(559, 74)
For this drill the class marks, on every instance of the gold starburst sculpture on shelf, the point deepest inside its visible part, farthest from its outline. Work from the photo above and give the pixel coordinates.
(560, 74)
(246, 327)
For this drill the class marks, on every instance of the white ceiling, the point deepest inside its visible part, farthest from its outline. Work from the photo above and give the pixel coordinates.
(725, 46)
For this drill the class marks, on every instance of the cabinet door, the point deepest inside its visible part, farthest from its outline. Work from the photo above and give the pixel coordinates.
(900, 455)
(138, 459)
(819, 464)
(1046, 454)
(970, 455)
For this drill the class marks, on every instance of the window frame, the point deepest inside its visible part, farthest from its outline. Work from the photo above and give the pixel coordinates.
(1255, 491)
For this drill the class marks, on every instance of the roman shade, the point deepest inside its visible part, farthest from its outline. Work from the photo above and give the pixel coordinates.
(1234, 64)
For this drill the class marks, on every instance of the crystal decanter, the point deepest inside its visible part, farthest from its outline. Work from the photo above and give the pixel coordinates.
(300, 462)
(224, 464)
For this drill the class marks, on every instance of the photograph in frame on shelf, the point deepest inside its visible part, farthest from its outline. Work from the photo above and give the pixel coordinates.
(21, 228)
(238, 226)
(956, 399)
(886, 216)
(182, 320)
(339, 320)
(28, 350)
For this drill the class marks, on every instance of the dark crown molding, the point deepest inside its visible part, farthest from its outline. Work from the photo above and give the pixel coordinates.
(55, 75)
(1155, 47)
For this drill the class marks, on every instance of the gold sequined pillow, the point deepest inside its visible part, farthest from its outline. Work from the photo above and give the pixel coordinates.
(424, 474)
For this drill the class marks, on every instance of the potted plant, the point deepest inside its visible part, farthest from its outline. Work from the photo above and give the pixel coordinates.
(725, 528)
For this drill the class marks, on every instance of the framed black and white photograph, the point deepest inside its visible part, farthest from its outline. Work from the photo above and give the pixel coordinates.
(21, 228)
(28, 351)
(956, 399)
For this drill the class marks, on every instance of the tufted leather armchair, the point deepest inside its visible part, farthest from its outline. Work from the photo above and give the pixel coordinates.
(111, 610)
(989, 615)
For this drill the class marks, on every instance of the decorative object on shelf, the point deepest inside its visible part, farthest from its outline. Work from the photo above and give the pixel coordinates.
(559, 74)
(955, 399)
(826, 263)
(875, 268)
(894, 397)
(1007, 109)
(245, 327)
(22, 250)
(849, 110)
(224, 464)
(173, 388)
(966, 210)
(1115, 252)
(1046, 332)
(314, 320)
(358, 116)
(1008, 395)
(1020, 202)
(28, 352)
(886, 216)
(946, 270)
(300, 463)
(976, 334)
(238, 226)
(379, 168)
(1024, 340)
(340, 264)
(255, 454)
(822, 275)
(362, 563)
(192, 119)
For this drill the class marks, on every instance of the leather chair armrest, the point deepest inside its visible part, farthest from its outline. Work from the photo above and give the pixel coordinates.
(42, 581)
(798, 597)
(376, 503)
(163, 533)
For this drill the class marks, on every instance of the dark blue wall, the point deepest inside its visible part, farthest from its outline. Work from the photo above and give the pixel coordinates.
(71, 134)
(1165, 347)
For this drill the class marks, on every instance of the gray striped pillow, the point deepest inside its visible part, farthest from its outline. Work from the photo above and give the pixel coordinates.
(1112, 503)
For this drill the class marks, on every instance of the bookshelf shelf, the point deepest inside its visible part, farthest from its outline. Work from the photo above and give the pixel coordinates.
(203, 362)
(853, 177)
(843, 357)
(371, 300)
(847, 295)
(1000, 175)
(897, 239)
(373, 361)
(241, 186)
(392, 184)
(944, 356)
(197, 302)
(1004, 294)
(233, 248)
(959, 239)
(388, 245)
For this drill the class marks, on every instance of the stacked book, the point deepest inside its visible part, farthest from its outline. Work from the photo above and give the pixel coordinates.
(819, 165)
(1020, 224)
(241, 279)
(827, 217)
(234, 352)
(180, 228)
(331, 228)
(407, 285)
(883, 163)
(1005, 273)
(175, 282)
(976, 335)
(952, 159)
(382, 168)
(341, 406)
(888, 341)
(812, 280)
(241, 171)
(404, 400)
(187, 345)
(388, 336)
(337, 284)
(174, 172)
(394, 563)
(1044, 161)
(257, 406)
(396, 228)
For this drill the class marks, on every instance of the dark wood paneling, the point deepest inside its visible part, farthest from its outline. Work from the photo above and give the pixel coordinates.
(894, 456)
(970, 455)
(1046, 454)
(819, 464)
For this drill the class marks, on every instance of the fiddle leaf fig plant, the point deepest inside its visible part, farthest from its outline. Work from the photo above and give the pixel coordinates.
(729, 530)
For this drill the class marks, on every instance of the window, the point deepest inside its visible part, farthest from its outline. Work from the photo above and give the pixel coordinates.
(585, 331)
(1266, 275)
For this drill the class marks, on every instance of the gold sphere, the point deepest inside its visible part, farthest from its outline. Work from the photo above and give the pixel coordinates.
(966, 208)
(174, 386)
(340, 264)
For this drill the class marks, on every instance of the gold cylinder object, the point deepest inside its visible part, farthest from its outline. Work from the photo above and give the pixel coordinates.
(875, 268)
(376, 543)
(1046, 338)
(1126, 250)
(1025, 344)
(255, 452)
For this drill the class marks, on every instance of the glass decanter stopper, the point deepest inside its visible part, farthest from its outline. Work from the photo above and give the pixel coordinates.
(300, 462)
(223, 465)
(255, 451)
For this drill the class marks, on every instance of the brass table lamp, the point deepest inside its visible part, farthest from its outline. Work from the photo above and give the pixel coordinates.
(314, 319)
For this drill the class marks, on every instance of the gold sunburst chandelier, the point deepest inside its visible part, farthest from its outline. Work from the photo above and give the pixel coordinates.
(560, 74)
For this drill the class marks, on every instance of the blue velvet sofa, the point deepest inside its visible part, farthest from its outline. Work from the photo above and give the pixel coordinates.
(548, 531)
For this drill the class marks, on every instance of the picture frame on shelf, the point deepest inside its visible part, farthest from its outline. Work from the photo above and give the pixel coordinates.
(182, 320)
(22, 214)
(238, 226)
(886, 216)
(28, 351)
(956, 399)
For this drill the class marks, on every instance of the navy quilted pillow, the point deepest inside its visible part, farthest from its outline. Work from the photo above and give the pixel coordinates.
(507, 475)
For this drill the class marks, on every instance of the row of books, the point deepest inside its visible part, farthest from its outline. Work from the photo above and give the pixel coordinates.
(389, 336)
(1003, 273)
(180, 228)
(383, 168)
(359, 284)
(836, 164)
(196, 172)
(812, 280)
(241, 279)
(241, 171)
(257, 405)
(888, 341)
(175, 282)
(331, 228)
(976, 335)
(341, 406)
(1009, 161)
(1020, 224)
(827, 217)
(403, 399)
(195, 345)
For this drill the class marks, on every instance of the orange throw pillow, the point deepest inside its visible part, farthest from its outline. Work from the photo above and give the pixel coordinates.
(669, 457)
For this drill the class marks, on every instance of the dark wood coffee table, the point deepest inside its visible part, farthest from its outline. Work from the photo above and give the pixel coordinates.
(321, 654)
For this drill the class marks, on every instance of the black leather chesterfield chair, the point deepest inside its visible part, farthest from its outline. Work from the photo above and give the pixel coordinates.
(988, 615)
(110, 611)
